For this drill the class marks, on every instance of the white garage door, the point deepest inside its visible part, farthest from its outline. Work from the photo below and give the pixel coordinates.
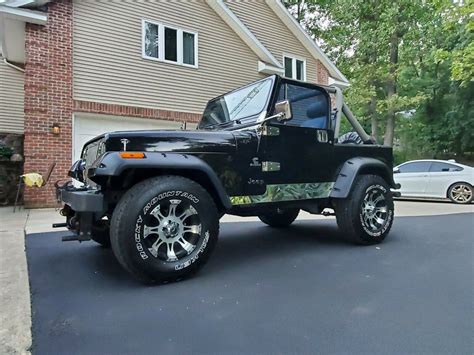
(88, 126)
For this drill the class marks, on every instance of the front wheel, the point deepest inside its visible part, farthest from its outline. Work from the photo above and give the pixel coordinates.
(366, 215)
(280, 218)
(164, 229)
(460, 193)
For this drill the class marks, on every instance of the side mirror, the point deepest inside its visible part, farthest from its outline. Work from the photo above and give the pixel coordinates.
(283, 110)
(396, 170)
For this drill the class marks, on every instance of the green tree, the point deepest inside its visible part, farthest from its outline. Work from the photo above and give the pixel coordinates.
(443, 124)
(410, 60)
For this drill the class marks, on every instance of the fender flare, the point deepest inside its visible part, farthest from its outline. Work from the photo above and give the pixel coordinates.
(355, 166)
(111, 164)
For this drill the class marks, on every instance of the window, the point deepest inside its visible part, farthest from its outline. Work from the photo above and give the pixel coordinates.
(438, 167)
(310, 106)
(248, 101)
(418, 167)
(151, 40)
(289, 67)
(295, 68)
(169, 44)
(188, 48)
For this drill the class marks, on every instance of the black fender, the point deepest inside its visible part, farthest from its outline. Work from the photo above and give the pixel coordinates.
(360, 165)
(112, 164)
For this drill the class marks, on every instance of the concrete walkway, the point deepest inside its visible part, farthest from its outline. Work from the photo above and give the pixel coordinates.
(15, 315)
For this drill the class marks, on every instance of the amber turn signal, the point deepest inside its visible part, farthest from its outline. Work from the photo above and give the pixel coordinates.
(132, 155)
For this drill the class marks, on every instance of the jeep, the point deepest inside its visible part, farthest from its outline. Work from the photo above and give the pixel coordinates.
(268, 149)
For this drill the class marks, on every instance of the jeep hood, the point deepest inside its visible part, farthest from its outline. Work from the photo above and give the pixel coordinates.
(170, 141)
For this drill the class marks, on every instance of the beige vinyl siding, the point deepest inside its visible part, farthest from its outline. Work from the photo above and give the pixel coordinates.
(272, 32)
(108, 63)
(12, 96)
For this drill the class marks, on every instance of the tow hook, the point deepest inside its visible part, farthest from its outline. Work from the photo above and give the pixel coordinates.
(79, 237)
(65, 238)
(59, 225)
(70, 238)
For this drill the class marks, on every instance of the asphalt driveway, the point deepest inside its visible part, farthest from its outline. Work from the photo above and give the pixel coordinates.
(299, 290)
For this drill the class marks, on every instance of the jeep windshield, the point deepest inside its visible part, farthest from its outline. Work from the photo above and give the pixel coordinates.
(238, 106)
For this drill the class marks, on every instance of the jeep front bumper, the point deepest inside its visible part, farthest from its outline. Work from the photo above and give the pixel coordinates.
(80, 200)
(82, 209)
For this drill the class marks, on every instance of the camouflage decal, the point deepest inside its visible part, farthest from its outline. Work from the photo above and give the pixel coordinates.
(287, 192)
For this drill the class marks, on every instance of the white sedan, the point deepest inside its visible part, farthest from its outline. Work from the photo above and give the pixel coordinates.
(435, 179)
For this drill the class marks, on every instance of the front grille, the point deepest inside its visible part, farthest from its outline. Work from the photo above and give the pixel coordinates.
(92, 151)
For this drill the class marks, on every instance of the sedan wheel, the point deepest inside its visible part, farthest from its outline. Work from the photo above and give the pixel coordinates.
(460, 193)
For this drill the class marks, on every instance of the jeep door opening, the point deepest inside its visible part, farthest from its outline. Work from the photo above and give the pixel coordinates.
(268, 149)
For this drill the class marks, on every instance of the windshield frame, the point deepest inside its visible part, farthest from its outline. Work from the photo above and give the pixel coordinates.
(282, 81)
(245, 119)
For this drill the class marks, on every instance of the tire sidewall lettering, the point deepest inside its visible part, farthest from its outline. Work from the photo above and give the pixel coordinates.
(376, 186)
(138, 239)
(169, 194)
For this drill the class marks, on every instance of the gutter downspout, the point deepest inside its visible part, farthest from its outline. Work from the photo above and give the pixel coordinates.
(13, 65)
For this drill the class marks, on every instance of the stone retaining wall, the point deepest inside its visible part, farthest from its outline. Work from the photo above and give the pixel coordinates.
(11, 166)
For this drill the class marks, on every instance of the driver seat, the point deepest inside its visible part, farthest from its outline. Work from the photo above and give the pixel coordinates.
(317, 115)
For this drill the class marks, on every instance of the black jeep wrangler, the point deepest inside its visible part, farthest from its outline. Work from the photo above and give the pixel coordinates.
(268, 149)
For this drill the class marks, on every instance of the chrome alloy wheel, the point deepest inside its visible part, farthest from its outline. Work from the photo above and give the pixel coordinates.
(375, 212)
(461, 193)
(172, 230)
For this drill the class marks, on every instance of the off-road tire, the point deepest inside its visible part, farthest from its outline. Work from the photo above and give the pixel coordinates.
(135, 214)
(461, 193)
(358, 224)
(280, 218)
(101, 233)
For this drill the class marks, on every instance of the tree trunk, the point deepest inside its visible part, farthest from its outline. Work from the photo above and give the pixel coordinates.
(389, 130)
(392, 89)
(373, 118)
(300, 12)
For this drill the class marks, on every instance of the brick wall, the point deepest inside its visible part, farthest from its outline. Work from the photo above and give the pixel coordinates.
(322, 74)
(48, 99)
(132, 111)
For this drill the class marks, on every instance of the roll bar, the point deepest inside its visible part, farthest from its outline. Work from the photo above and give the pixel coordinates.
(342, 108)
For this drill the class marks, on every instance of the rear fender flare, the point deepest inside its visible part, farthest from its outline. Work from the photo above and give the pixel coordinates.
(357, 166)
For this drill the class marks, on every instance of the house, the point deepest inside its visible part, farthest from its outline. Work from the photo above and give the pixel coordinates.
(73, 69)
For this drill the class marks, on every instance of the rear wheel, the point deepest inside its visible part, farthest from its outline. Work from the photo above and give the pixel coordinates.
(366, 216)
(164, 229)
(461, 193)
(280, 218)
